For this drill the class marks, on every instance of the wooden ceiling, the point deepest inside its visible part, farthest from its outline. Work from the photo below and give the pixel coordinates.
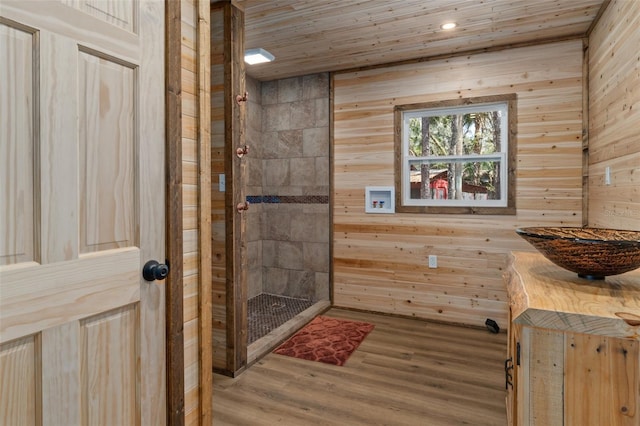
(309, 36)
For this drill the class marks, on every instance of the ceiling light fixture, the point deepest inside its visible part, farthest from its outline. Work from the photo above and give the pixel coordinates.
(448, 25)
(257, 56)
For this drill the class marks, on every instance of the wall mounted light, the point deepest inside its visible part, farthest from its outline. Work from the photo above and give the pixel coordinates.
(448, 25)
(257, 56)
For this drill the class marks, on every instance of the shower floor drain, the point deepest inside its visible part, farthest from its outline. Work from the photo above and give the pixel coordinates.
(266, 312)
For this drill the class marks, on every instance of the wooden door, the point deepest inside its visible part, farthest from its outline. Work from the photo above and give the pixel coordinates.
(82, 209)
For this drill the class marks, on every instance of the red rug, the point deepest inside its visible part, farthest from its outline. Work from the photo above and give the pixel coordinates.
(327, 340)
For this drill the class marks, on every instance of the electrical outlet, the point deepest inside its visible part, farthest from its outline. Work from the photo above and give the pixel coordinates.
(221, 182)
(433, 261)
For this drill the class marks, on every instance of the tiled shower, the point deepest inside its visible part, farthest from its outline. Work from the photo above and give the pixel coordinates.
(288, 192)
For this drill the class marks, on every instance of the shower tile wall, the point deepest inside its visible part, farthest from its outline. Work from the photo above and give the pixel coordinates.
(293, 208)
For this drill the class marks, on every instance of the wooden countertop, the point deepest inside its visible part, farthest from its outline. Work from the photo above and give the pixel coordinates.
(544, 295)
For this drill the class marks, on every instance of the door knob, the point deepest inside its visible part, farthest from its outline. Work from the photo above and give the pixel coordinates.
(153, 270)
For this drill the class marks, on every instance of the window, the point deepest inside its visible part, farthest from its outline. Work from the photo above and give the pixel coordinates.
(456, 156)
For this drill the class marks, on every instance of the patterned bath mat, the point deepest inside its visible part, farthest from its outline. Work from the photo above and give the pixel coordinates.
(327, 340)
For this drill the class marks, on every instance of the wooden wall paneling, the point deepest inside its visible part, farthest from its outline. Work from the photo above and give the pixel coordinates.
(190, 209)
(205, 305)
(228, 224)
(189, 212)
(174, 206)
(235, 113)
(190, 307)
(196, 210)
(190, 263)
(229, 172)
(218, 241)
(380, 261)
(613, 116)
(618, 203)
(192, 371)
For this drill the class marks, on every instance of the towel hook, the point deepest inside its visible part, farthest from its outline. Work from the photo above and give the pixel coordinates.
(241, 152)
(242, 207)
(242, 98)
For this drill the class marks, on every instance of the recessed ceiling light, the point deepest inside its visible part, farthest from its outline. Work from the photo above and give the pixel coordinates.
(257, 56)
(448, 25)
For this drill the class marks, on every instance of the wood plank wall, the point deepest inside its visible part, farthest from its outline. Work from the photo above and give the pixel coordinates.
(614, 118)
(196, 211)
(229, 260)
(190, 207)
(218, 262)
(235, 170)
(380, 261)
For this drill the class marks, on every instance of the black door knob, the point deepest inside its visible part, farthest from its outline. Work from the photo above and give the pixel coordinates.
(153, 270)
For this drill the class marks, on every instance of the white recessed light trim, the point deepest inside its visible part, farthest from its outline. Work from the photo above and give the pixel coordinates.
(257, 56)
(448, 25)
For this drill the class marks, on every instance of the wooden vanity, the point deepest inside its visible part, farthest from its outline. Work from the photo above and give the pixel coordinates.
(574, 346)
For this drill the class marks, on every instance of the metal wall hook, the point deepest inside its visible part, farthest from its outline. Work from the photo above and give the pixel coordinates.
(241, 152)
(242, 98)
(242, 207)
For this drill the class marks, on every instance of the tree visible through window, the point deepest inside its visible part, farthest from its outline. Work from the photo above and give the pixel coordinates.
(456, 156)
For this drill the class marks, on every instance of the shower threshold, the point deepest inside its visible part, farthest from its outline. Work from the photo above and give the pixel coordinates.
(272, 319)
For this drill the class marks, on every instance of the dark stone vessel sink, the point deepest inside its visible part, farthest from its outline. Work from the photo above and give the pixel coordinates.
(592, 253)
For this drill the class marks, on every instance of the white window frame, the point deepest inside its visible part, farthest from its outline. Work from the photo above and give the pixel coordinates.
(506, 203)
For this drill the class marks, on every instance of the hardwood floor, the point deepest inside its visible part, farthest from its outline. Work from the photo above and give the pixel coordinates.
(406, 372)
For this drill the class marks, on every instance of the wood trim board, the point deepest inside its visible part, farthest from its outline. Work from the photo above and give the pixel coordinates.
(234, 170)
(205, 306)
(173, 185)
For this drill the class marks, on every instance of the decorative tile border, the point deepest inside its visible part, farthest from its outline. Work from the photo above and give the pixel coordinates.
(288, 199)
